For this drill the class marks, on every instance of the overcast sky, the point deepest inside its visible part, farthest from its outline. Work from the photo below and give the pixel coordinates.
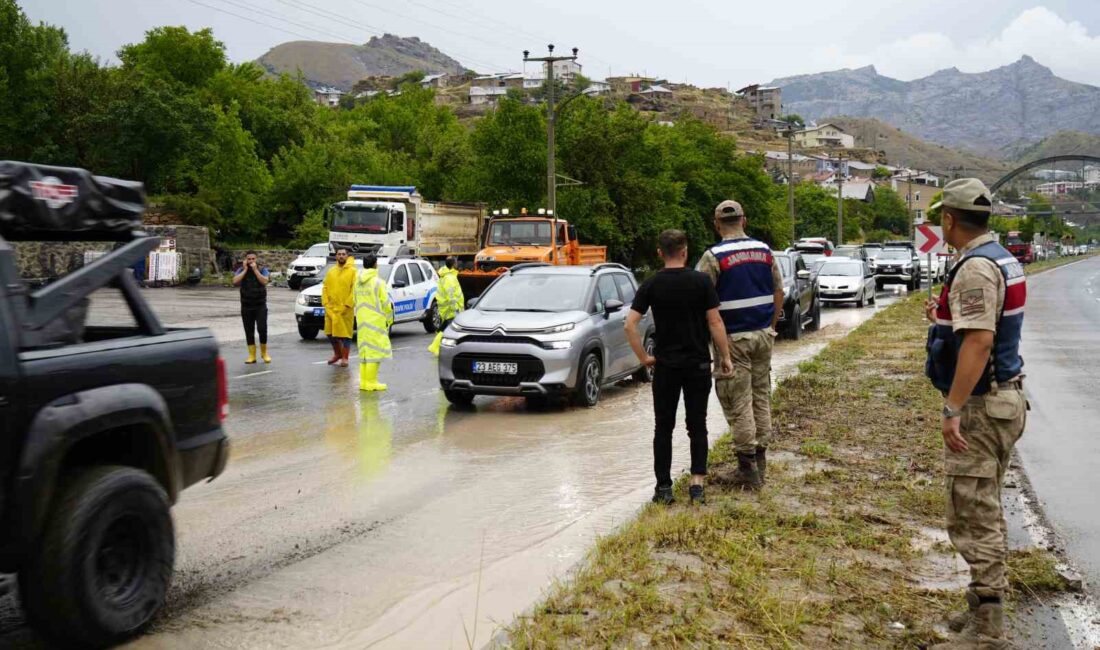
(710, 43)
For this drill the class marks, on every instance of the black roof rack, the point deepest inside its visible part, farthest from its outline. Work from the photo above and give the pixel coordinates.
(528, 265)
(614, 265)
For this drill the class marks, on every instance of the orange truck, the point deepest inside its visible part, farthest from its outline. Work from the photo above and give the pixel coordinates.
(526, 238)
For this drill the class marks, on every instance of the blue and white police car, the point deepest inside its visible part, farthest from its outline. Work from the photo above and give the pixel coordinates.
(412, 283)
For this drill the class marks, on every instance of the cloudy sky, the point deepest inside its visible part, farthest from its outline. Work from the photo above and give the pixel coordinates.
(712, 42)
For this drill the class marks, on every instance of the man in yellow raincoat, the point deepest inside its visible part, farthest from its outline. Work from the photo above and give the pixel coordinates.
(374, 316)
(338, 299)
(449, 301)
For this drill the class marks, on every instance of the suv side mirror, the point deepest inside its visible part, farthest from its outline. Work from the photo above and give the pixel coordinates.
(400, 284)
(611, 306)
(472, 302)
(803, 274)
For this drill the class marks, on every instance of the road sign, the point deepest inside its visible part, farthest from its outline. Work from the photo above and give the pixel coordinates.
(929, 239)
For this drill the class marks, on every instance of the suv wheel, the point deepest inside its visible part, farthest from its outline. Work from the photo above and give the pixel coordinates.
(815, 320)
(294, 282)
(459, 398)
(308, 332)
(794, 328)
(645, 373)
(433, 322)
(104, 562)
(589, 379)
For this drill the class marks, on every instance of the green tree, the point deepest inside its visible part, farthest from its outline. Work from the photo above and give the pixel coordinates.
(311, 230)
(794, 119)
(889, 211)
(176, 53)
(815, 211)
(234, 180)
(509, 148)
(277, 112)
(880, 172)
(28, 53)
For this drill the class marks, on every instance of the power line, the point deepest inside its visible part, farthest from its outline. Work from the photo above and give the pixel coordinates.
(283, 18)
(251, 20)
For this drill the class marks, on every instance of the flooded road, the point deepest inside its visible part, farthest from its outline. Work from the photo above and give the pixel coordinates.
(350, 520)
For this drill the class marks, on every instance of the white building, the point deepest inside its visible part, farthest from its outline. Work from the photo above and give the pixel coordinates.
(564, 70)
(480, 95)
(824, 135)
(328, 96)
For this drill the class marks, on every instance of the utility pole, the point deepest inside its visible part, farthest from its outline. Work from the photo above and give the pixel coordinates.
(551, 174)
(790, 179)
(839, 198)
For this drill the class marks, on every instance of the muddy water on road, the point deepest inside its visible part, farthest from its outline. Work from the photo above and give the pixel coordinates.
(349, 520)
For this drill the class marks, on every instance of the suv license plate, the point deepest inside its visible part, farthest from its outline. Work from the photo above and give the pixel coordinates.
(495, 368)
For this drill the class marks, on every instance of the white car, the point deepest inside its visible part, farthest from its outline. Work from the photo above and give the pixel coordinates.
(411, 282)
(938, 271)
(307, 265)
(844, 279)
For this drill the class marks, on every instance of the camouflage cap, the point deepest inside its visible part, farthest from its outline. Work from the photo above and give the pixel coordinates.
(729, 210)
(966, 194)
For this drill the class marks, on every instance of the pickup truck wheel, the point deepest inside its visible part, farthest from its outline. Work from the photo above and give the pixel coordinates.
(644, 374)
(104, 562)
(815, 320)
(432, 321)
(459, 398)
(589, 382)
(294, 282)
(308, 332)
(794, 329)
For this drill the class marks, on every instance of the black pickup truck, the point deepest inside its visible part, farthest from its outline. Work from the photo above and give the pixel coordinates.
(101, 425)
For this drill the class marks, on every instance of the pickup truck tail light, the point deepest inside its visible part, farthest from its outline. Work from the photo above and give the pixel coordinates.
(223, 391)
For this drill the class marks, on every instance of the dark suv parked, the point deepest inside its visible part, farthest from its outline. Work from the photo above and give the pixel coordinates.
(801, 296)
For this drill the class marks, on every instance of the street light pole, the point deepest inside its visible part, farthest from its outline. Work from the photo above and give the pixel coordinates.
(790, 179)
(839, 199)
(551, 116)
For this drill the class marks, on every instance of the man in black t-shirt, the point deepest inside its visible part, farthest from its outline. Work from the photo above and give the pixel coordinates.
(685, 312)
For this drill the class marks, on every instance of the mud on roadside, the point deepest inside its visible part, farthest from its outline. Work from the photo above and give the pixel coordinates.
(844, 548)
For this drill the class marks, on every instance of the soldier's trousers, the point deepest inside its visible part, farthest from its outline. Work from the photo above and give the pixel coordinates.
(746, 397)
(991, 425)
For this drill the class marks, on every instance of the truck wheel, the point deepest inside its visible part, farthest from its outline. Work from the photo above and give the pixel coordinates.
(589, 382)
(644, 374)
(104, 562)
(432, 320)
(307, 332)
(459, 398)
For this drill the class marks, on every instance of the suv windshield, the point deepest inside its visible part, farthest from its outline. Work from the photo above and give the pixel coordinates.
(317, 250)
(536, 292)
(509, 233)
(895, 254)
(847, 251)
(361, 218)
(845, 268)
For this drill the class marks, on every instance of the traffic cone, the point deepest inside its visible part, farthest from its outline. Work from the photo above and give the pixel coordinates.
(251, 354)
(263, 353)
(434, 347)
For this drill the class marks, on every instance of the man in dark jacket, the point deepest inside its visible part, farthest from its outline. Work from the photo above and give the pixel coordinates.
(252, 279)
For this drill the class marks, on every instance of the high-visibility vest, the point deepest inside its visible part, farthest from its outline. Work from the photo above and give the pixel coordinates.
(943, 346)
(746, 287)
(373, 316)
(449, 300)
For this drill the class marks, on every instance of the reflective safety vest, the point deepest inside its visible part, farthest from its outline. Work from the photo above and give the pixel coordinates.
(373, 316)
(449, 299)
(943, 345)
(746, 287)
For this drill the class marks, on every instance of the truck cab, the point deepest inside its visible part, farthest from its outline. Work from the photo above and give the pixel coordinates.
(372, 217)
(531, 238)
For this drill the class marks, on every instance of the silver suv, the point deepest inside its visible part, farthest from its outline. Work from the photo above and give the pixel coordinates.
(542, 331)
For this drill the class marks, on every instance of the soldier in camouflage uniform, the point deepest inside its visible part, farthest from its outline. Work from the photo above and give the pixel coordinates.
(973, 358)
(750, 289)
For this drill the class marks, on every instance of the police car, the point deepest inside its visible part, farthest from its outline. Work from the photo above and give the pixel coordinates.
(411, 282)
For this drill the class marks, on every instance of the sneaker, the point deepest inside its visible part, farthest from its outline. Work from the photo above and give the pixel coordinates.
(663, 494)
(696, 494)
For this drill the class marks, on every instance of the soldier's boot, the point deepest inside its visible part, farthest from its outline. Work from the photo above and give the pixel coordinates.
(762, 463)
(251, 354)
(434, 347)
(963, 623)
(747, 476)
(984, 631)
(263, 353)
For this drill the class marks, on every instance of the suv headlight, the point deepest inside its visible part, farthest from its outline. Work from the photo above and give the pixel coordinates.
(302, 300)
(448, 342)
(557, 345)
(560, 328)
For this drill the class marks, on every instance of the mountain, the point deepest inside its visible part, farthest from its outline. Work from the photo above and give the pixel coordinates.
(902, 148)
(341, 65)
(1062, 142)
(984, 111)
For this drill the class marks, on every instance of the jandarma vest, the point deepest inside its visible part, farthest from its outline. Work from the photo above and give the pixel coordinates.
(746, 288)
(1005, 361)
(253, 294)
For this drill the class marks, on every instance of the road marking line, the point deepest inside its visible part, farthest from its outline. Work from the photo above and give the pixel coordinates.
(254, 374)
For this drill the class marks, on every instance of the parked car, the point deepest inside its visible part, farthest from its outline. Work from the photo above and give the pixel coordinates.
(307, 265)
(937, 272)
(103, 421)
(897, 265)
(847, 280)
(801, 296)
(853, 251)
(826, 245)
(412, 284)
(544, 331)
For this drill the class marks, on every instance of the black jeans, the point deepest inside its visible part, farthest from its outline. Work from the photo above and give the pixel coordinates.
(255, 320)
(668, 383)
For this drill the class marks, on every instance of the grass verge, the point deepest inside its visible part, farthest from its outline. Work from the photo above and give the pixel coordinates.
(844, 548)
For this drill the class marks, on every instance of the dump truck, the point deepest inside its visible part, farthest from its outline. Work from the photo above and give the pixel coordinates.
(1020, 249)
(399, 219)
(511, 240)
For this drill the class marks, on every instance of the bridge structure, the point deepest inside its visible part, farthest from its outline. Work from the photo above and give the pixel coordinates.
(1049, 161)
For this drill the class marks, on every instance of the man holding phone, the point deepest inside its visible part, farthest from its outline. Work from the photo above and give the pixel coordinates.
(252, 279)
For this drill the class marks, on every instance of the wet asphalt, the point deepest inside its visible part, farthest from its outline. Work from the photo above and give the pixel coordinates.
(1060, 447)
(393, 519)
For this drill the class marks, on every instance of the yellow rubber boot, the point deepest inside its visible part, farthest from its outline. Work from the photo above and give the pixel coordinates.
(364, 377)
(263, 353)
(368, 377)
(251, 354)
(434, 347)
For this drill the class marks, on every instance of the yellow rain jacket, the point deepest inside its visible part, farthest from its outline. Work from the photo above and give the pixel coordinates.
(338, 299)
(374, 314)
(450, 300)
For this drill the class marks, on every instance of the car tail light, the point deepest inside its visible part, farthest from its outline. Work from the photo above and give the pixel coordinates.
(223, 391)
